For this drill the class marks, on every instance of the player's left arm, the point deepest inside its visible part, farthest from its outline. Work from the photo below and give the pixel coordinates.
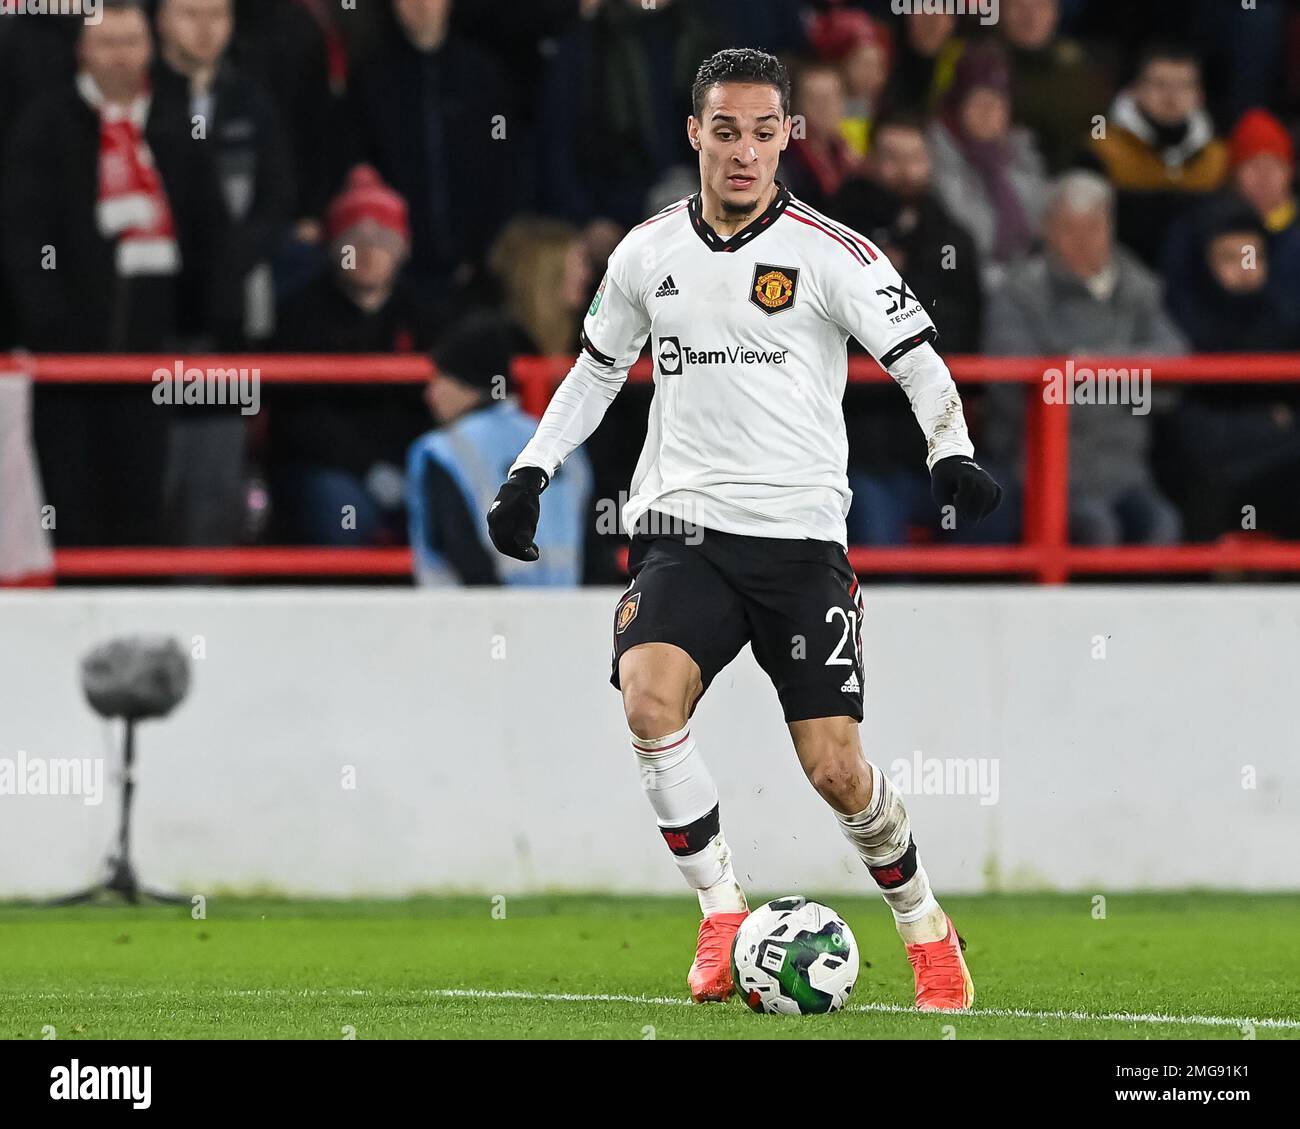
(876, 306)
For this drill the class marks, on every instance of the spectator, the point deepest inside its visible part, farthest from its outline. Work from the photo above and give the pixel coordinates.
(987, 172)
(336, 451)
(546, 289)
(109, 216)
(1245, 44)
(453, 473)
(624, 77)
(927, 58)
(543, 274)
(896, 210)
(525, 43)
(1263, 173)
(347, 32)
(1224, 304)
(428, 111)
(1056, 88)
(1086, 294)
(817, 163)
(1245, 57)
(774, 26)
(235, 120)
(233, 125)
(1239, 444)
(37, 52)
(599, 239)
(543, 271)
(1159, 149)
(280, 46)
(862, 50)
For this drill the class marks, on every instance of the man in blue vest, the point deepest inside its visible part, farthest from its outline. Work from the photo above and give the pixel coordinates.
(453, 472)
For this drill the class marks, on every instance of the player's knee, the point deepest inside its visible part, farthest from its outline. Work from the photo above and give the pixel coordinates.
(840, 774)
(658, 691)
(836, 783)
(651, 713)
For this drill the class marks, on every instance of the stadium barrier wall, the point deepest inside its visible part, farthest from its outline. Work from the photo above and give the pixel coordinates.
(1045, 554)
(380, 742)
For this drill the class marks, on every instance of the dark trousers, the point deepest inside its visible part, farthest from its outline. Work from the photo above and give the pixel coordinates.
(102, 453)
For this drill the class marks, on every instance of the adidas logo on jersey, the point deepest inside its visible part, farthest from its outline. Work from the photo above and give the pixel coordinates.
(852, 686)
(667, 288)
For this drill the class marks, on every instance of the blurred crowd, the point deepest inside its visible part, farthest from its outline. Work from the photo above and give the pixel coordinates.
(1078, 177)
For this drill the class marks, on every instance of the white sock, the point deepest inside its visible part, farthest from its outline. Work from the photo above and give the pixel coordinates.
(882, 835)
(681, 791)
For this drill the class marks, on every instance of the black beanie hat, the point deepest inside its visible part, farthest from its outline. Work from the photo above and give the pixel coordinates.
(477, 351)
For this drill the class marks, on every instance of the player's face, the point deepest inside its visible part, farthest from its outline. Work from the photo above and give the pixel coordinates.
(740, 136)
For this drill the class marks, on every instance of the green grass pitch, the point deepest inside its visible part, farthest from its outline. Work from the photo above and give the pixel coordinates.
(1185, 965)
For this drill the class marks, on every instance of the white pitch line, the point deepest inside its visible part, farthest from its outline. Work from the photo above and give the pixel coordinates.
(555, 997)
(1080, 1016)
(897, 1009)
(677, 1001)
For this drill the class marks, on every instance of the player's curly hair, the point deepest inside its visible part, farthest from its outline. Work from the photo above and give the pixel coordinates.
(740, 64)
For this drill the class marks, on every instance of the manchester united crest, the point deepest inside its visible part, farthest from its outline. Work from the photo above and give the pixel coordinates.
(627, 612)
(773, 288)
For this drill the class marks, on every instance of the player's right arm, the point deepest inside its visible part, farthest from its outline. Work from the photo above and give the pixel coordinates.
(870, 300)
(613, 333)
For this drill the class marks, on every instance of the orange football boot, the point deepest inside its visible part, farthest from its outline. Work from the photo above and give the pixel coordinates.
(710, 975)
(943, 981)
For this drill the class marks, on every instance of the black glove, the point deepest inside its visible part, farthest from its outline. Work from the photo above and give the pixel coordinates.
(960, 481)
(512, 517)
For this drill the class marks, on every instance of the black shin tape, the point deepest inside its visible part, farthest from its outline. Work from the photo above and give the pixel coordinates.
(896, 873)
(694, 836)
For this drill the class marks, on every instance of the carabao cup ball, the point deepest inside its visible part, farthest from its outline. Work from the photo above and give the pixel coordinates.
(794, 957)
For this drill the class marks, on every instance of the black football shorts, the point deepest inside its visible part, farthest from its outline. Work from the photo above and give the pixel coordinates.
(797, 602)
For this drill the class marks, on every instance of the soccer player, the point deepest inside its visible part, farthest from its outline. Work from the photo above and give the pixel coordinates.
(738, 502)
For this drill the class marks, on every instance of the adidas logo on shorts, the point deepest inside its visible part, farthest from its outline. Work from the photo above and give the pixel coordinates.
(667, 288)
(852, 686)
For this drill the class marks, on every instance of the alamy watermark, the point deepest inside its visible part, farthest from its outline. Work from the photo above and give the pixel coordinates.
(652, 523)
(987, 10)
(209, 387)
(947, 776)
(59, 776)
(1076, 384)
(92, 11)
(78, 1082)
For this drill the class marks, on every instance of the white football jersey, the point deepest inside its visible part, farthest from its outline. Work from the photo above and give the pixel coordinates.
(748, 340)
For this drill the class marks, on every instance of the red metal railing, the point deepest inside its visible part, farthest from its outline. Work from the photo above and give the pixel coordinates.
(1045, 554)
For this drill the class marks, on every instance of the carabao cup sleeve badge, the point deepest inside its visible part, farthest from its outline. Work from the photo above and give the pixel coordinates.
(600, 293)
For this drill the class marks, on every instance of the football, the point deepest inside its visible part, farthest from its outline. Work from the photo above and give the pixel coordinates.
(794, 957)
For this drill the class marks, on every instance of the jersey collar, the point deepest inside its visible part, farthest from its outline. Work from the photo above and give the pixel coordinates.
(714, 242)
